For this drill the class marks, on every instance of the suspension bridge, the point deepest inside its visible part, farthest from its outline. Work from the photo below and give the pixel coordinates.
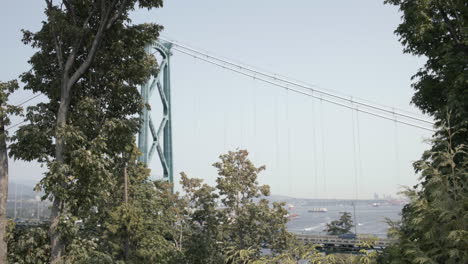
(152, 139)
(155, 139)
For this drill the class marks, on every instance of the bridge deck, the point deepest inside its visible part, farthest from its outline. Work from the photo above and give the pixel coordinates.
(343, 242)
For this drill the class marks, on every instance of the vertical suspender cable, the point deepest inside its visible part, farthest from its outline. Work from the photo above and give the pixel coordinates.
(225, 129)
(355, 171)
(197, 131)
(226, 108)
(397, 156)
(279, 170)
(354, 157)
(359, 157)
(241, 121)
(288, 131)
(314, 148)
(276, 112)
(322, 137)
(254, 145)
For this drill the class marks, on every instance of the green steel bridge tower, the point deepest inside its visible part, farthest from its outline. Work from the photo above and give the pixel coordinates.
(161, 139)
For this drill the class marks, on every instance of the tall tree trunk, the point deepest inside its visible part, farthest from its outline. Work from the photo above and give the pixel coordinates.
(70, 78)
(56, 241)
(3, 193)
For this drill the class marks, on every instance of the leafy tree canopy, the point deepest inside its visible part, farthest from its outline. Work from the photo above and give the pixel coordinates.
(340, 226)
(434, 226)
(89, 62)
(438, 30)
(233, 219)
(5, 111)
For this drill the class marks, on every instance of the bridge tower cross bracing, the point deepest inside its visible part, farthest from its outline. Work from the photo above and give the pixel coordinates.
(162, 137)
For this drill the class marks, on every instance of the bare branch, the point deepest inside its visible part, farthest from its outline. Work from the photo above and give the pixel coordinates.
(77, 43)
(71, 57)
(94, 46)
(105, 23)
(58, 48)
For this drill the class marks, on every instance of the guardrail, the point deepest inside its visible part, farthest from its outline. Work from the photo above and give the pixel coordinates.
(328, 240)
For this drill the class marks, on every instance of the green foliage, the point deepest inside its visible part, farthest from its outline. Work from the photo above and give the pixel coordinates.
(6, 89)
(300, 253)
(437, 30)
(100, 116)
(6, 109)
(200, 231)
(27, 245)
(137, 231)
(341, 226)
(242, 256)
(232, 222)
(248, 224)
(434, 224)
(89, 62)
(434, 227)
(146, 224)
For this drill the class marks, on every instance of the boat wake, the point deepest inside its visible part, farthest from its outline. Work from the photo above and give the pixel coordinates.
(312, 228)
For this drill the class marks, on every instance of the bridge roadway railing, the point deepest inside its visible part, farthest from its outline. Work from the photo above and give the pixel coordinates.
(336, 241)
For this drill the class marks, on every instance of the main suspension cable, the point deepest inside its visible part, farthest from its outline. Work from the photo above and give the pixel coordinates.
(277, 77)
(29, 99)
(302, 92)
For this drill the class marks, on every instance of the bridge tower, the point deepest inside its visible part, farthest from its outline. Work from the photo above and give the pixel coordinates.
(161, 139)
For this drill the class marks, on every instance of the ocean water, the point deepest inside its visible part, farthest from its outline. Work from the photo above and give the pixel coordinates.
(371, 220)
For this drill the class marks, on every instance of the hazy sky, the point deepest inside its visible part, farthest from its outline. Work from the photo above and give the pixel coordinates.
(345, 46)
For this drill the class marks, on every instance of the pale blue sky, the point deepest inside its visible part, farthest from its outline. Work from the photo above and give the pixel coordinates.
(345, 46)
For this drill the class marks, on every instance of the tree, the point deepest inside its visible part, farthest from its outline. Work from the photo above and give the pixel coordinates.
(202, 227)
(437, 30)
(6, 88)
(434, 222)
(141, 227)
(89, 64)
(245, 222)
(28, 245)
(341, 226)
(233, 221)
(434, 225)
